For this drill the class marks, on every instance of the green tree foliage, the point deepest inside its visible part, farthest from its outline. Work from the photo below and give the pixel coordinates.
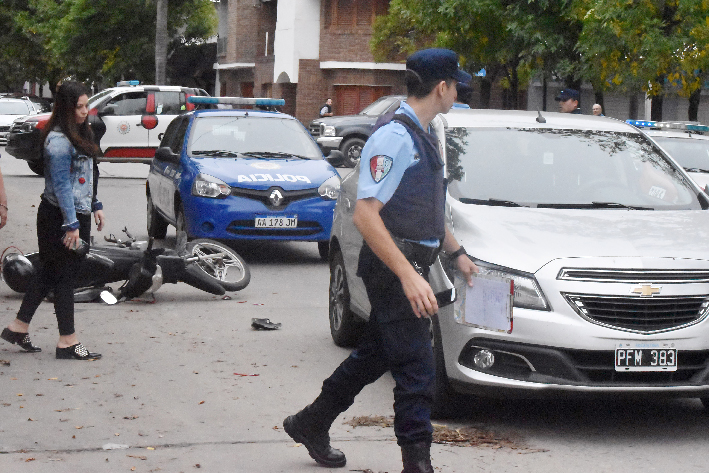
(511, 39)
(22, 53)
(104, 40)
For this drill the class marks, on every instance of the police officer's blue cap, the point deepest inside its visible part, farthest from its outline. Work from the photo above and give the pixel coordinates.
(436, 64)
(567, 94)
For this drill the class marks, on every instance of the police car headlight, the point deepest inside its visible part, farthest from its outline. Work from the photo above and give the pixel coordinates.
(528, 294)
(328, 130)
(330, 189)
(205, 185)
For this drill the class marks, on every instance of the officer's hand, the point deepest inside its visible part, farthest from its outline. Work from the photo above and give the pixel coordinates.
(467, 267)
(420, 295)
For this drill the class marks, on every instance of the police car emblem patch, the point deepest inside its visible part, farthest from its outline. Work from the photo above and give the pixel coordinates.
(380, 166)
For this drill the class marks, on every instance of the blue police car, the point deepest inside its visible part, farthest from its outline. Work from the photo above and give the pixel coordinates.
(241, 174)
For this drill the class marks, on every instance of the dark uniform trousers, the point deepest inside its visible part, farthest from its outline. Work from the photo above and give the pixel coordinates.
(395, 340)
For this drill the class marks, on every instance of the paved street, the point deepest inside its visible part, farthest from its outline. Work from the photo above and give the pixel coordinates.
(186, 384)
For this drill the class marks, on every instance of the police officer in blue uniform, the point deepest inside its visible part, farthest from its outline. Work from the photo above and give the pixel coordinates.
(400, 214)
(568, 101)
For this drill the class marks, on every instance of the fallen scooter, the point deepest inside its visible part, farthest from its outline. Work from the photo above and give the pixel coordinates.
(204, 264)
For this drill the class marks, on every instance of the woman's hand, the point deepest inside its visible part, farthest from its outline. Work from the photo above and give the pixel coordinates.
(71, 239)
(100, 219)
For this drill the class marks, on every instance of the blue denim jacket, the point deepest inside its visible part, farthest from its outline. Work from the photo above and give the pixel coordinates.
(68, 179)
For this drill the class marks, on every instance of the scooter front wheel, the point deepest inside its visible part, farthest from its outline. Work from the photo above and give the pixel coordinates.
(229, 269)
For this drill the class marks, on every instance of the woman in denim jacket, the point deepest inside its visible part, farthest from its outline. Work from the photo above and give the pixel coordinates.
(63, 220)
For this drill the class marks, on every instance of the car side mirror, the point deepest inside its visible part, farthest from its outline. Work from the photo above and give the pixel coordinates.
(164, 153)
(336, 158)
(109, 109)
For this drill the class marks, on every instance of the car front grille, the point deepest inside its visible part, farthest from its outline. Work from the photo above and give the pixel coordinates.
(264, 196)
(4, 129)
(640, 314)
(566, 366)
(314, 129)
(659, 276)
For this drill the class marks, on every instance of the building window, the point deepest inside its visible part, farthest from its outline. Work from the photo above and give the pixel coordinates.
(348, 14)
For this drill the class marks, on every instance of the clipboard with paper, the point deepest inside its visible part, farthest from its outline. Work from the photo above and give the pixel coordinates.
(486, 305)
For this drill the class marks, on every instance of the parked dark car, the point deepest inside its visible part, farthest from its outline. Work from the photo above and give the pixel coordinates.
(348, 133)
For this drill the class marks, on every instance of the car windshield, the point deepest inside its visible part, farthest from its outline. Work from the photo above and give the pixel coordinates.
(268, 137)
(95, 98)
(688, 152)
(556, 168)
(14, 108)
(378, 107)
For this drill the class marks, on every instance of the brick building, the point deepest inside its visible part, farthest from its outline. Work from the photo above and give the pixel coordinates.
(303, 51)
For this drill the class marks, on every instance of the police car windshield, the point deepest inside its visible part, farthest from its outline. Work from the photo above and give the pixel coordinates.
(689, 153)
(554, 168)
(272, 137)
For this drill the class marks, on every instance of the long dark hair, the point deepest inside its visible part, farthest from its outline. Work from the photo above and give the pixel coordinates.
(63, 116)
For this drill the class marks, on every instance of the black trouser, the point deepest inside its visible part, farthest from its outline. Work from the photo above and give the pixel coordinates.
(56, 268)
(396, 341)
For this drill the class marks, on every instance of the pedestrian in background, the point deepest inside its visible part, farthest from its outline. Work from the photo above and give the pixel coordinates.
(400, 213)
(465, 95)
(3, 203)
(63, 221)
(326, 110)
(568, 101)
(597, 110)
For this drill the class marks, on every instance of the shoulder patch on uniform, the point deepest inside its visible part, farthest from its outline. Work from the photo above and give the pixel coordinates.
(380, 166)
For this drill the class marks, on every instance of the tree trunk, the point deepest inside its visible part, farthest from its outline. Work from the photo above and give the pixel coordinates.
(693, 111)
(161, 42)
(656, 108)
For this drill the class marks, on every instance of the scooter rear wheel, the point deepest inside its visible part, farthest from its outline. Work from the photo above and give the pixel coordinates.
(229, 270)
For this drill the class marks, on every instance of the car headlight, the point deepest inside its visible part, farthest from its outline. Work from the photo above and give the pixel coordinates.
(330, 189)
(205, 185)
(528, 294)
(18, 126)
(328, 130)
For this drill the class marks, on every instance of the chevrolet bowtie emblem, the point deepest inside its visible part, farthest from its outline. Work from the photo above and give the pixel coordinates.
(646, 290)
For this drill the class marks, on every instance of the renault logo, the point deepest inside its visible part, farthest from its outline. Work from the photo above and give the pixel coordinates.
(276, 198)
(647, 290)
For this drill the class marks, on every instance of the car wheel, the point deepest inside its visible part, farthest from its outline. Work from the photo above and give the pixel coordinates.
(352, 149)
(324, 249)
(157, 226)
(345, 327)
(446, 402)
(37, 167)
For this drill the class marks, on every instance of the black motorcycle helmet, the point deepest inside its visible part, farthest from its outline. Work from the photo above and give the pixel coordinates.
(17, 272)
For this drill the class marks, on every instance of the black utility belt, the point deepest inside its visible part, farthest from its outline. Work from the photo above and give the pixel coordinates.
(420, 256)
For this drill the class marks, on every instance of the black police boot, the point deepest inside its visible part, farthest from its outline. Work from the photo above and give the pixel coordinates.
(310, 427)
(416, 458)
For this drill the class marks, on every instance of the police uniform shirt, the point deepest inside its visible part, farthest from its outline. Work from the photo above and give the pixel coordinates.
(388, 153)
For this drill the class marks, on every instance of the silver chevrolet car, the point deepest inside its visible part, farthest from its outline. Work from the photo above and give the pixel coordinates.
(605, 238)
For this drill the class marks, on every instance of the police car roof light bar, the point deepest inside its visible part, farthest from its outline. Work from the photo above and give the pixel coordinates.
(125, 83)
(235, 101)
(642, 123)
